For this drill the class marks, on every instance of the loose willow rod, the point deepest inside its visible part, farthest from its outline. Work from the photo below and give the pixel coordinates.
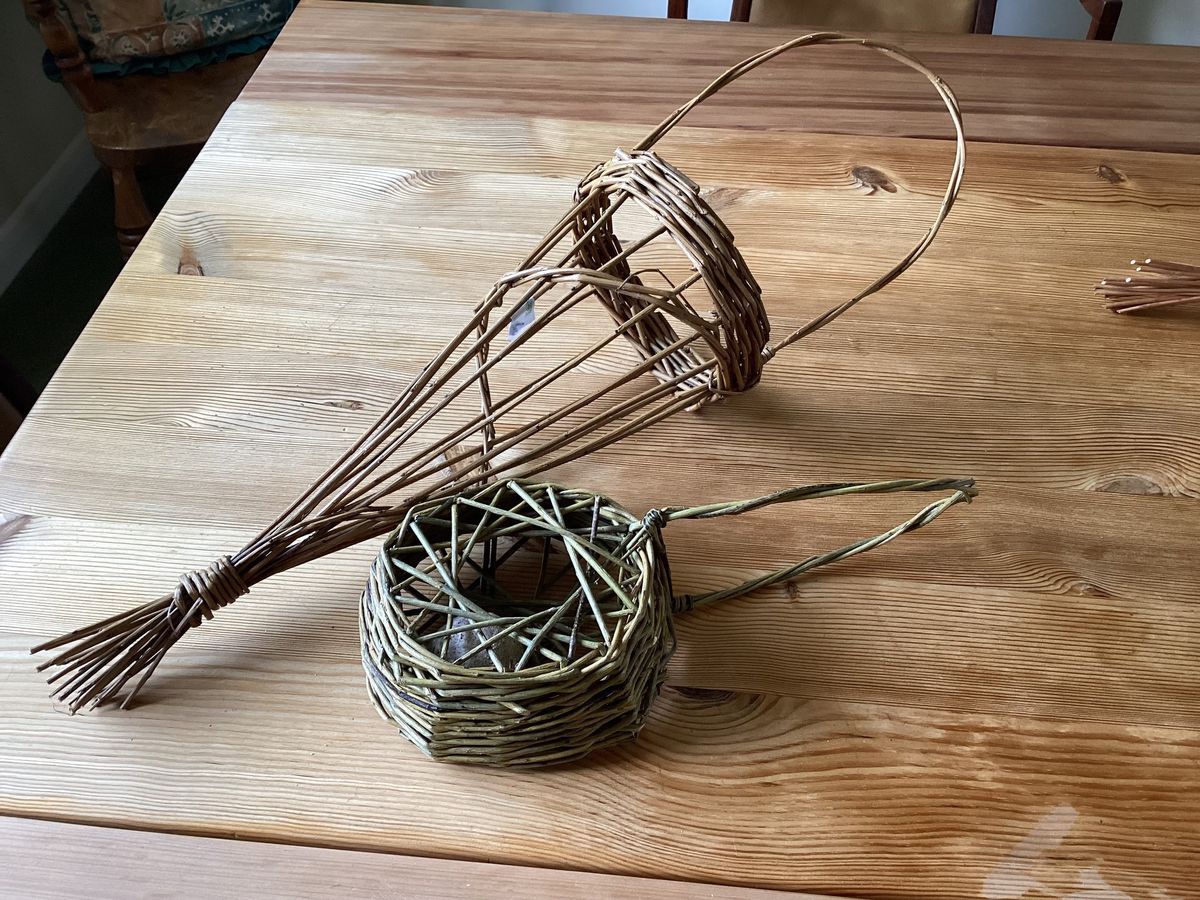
(1156, 284)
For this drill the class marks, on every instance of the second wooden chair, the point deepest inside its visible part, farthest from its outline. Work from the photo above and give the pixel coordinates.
(938, 16)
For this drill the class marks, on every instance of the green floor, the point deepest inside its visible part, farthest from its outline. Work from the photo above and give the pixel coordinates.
(50, 301)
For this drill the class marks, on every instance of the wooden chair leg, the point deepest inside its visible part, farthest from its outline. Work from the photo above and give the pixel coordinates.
(133, 218)
(985, 16)
(15, 390)
(1105, 14)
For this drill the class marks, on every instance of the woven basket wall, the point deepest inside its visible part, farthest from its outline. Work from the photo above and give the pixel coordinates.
(556, 703)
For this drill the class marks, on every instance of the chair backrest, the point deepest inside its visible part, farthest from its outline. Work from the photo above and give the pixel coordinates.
(114, 33)
(947, 16)
(939, 16)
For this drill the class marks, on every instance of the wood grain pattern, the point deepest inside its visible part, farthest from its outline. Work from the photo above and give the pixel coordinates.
(1021, 90)
(746, 788)
(52, 860)
(1006, 701)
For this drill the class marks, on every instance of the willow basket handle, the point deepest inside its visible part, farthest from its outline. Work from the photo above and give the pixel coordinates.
(952, 186)
(963, 490)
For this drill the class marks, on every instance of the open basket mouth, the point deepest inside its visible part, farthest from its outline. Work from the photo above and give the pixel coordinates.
(734, 327)
(516, 576)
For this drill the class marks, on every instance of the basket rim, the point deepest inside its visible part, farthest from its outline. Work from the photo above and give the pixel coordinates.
(645, 553)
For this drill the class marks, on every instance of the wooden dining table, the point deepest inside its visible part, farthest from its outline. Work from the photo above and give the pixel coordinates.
(1004, 705)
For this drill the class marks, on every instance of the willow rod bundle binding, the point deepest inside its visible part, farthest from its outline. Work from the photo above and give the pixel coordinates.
(1156, 284)
(451, 444)
(521, 624)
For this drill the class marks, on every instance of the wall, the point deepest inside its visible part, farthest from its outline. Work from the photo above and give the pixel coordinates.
(1160, 22)
(44, 157)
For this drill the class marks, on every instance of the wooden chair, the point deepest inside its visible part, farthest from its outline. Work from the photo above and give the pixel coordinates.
(945, 16)
(140, 119)
(1104, 15)
(948, 16)
(16, 399)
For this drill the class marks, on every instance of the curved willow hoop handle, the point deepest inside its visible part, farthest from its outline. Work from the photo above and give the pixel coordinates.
(952, 186)
(963, 490)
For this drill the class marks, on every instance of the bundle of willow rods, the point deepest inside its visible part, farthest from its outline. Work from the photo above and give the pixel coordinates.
(1155, 284)
(474, 663)
(429, 444)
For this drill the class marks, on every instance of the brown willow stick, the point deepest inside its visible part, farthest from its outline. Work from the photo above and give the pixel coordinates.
(1156, 284)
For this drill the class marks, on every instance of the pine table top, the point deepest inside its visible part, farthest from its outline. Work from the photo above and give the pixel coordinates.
(1002, 705)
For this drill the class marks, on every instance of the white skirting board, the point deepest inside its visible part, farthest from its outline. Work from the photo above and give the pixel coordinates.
(43, 206)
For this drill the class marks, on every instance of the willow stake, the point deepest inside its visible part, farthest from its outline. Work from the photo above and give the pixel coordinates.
(467, 416)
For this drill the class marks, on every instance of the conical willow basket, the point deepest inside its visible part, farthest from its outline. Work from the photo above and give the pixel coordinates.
(510, 394)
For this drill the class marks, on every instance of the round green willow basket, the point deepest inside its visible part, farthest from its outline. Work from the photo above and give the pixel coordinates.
(525, 623)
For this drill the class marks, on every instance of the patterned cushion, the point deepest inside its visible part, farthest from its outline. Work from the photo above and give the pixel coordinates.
(119, 32)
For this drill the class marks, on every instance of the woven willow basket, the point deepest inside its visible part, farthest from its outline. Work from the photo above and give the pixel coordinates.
(525, 624)
(527, 383)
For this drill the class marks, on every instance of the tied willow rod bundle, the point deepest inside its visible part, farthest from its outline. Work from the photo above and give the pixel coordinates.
(1155, 284)
(524, 624)
(469, 416)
